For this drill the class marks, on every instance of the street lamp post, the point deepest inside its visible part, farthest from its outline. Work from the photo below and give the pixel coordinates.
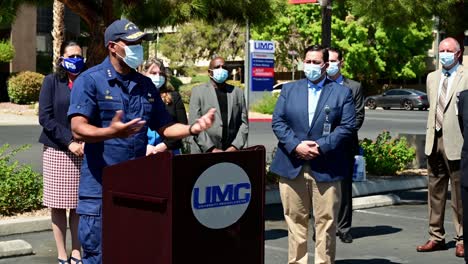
(326, 22)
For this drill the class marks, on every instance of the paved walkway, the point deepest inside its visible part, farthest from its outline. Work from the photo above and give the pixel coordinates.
(371, 193)
(12, 119)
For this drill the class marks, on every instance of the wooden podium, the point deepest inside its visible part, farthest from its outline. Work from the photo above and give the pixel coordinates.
(203, 208)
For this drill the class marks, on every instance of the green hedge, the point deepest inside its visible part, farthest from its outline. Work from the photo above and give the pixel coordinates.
(25, 87)
(386, 156)
(7, 51)
(20, 186)
(266, 105)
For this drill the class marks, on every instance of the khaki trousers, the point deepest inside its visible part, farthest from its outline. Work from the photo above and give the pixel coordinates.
(441, 170)
(298, 196)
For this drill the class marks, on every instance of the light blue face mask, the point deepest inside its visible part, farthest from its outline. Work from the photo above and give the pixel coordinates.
(312, 71)
(220, 75)
(446, 58)
(133, 55)
(158, 80)
(333, 68)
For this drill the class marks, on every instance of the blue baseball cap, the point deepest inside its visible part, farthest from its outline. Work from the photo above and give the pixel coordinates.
(124, 30)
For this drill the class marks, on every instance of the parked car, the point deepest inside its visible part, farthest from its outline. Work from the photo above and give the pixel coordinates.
(407, 99)
(277, 87)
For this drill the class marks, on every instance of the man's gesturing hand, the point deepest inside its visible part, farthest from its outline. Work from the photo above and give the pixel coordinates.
(124, 130)
(204, 122)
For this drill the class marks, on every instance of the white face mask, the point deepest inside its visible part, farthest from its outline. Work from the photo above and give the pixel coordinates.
(447, 58)
(333, 68)
(220, 75)
(312, 71)
(158, 80)
(133, 55)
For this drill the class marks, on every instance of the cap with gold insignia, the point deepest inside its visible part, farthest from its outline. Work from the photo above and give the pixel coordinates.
(124, 30)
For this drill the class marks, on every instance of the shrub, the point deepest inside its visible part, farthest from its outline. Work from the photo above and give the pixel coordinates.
(24, 88)
(200, 78)
(186, 91)
(386, 156)
(266, 105)
(7, 51)
(20, 186)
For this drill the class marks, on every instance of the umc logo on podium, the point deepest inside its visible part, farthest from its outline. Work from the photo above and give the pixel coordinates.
(221, 195)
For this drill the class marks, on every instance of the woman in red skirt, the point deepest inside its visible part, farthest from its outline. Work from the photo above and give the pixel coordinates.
(62, 155)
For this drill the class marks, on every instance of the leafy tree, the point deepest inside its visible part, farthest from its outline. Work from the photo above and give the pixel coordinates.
(97, 14)
(199, 40)
(451, 13)
(297, 27)
(373, 49)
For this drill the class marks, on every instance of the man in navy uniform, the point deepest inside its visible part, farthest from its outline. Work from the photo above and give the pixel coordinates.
(111, 108)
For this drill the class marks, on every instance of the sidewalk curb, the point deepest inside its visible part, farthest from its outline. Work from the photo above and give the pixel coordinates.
(260, 120)
(24, 225)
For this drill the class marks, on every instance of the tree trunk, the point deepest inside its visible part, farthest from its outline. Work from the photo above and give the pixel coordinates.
(58, 30)
(97, 17)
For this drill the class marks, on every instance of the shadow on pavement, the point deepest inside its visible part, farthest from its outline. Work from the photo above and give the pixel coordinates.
(365, 261)
(274, 212)
(367, 231)
(275, 234)
(451, 244)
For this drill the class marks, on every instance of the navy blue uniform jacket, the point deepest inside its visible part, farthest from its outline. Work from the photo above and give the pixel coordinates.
(291, 126)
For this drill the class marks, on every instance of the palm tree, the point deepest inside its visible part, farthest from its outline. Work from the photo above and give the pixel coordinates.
(57, 30)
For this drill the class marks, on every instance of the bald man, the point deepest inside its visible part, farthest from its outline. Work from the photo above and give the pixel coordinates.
(230, 129)
(443, 146)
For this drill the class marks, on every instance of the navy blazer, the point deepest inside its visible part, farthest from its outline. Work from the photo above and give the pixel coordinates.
(291, 126)
(54, 101)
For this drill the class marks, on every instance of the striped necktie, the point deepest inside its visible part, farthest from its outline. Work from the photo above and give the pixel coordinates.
(441, 103)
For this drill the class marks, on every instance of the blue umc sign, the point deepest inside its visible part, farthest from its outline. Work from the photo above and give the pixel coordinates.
(262, 65)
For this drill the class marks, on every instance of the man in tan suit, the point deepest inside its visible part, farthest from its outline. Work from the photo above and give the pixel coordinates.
(443, 146)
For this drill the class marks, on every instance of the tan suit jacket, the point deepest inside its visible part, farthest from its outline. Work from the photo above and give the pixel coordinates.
(452, 135)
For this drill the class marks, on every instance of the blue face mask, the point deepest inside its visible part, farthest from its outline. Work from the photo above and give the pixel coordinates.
(73, 65)
(133, 55)
(220, 75)
(333, 68)
(312, 71)
(158, 80)
(446, 58)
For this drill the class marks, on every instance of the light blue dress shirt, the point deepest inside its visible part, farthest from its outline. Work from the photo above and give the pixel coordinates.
(314, 92)
(339, 80)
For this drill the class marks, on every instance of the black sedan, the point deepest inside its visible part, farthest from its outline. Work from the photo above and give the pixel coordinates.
(407, 99)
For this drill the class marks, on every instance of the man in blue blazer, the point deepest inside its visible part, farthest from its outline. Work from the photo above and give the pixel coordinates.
(314, 121)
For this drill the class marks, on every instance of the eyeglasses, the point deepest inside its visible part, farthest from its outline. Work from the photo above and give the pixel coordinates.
(75, 56)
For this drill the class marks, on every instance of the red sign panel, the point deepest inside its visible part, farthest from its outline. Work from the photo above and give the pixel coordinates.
(263, 72)
(302, 1)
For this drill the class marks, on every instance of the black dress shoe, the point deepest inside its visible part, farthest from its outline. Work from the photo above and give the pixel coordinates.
(346, 237)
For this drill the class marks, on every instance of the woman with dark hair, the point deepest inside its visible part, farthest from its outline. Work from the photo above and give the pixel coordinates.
(62, 155)
(155, 70)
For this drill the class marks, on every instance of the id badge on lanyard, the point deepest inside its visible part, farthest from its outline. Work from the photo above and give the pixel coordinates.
(327, 125)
